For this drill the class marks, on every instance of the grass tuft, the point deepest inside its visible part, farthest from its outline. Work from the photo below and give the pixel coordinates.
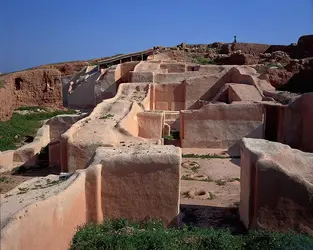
(106, 116)
(208, 156)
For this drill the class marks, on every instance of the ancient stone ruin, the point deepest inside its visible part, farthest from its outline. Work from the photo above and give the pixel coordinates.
(123, 158)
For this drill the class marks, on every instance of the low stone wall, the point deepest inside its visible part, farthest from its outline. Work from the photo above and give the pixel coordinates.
(79, 143)
(221, 125)
(141, 76)
(6, 160)
(172, 118)
(174, 77)
(243, 92)
(93, 85)
(291, 124)
(122, 71)
(82, 94)
(132, 183)
(168, 96)
(48, 224)
(203, 88)
(276, 187)
(50, 131)
(150, 124)
(27, 153)
(130, 122)
(174, 67)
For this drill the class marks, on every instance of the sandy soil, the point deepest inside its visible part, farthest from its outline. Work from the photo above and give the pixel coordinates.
(210, 192)
(9, 181)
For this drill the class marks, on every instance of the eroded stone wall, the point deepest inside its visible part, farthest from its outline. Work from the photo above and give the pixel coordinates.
(292, 124)
(221, 125)
(38, 87)
(133, 183)
(268, 166)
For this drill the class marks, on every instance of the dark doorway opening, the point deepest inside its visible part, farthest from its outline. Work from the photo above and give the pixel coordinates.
(18, 82)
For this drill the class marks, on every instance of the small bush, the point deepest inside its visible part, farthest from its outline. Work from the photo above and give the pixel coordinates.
(174, 135)
(199, 59)
(4, 179)
(265, 68)
(168, 137)
(121, 234)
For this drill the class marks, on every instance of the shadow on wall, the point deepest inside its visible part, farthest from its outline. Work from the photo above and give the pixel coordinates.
(258, 133)
(291, 125)
(232, 76)
(213, 91)
(107, 94)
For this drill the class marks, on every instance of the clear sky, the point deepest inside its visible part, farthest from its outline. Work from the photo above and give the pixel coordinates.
(36, 32)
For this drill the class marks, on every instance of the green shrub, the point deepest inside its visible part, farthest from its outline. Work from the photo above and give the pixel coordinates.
(174, 135)
(203, 60)
(121, 234)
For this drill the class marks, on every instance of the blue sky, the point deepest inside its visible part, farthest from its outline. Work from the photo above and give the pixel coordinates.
(36, 32)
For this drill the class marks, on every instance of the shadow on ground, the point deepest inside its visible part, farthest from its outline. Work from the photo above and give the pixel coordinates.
(37, 171)
(210, 216)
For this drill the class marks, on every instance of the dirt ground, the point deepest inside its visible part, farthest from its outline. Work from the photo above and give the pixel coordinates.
(210, 193)
(9, 181)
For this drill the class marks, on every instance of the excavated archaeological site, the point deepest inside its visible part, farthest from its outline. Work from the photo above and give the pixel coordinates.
(160, 137)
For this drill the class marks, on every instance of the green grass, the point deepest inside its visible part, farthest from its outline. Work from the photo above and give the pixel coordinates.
(186, 178)
(49, 183)
(4, 179)
(212, 196)
(31, 108)
(23, 190)
(223, 182)
(121, 234)
(14, 130)
(106, 116)
(220, 182)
